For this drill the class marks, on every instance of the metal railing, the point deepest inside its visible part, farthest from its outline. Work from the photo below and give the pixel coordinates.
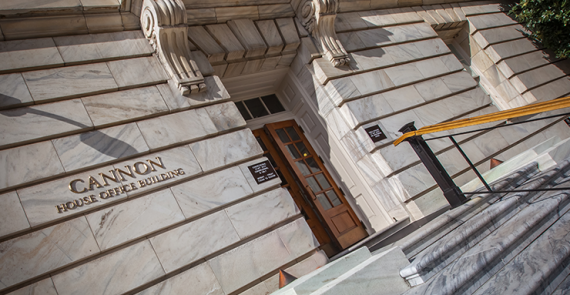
(451, 191)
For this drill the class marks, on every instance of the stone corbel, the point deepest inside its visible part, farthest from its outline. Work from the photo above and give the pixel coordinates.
(164, 24)
(318, 16)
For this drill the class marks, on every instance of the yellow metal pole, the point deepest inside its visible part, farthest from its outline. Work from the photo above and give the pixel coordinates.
(497, 116)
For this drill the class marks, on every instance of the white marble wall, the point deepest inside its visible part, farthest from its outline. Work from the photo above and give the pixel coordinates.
(400, 71)
(83, 207)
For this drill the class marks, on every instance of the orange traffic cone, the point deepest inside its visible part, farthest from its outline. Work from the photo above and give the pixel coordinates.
(285, 278)
(495, 163)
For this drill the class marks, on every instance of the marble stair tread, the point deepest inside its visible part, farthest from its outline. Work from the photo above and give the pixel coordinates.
(375, 238)
(520, 160)
(314, 280)
(447, 249)
(377, 275)
(538, 269)
(447, 222)
(473, 268)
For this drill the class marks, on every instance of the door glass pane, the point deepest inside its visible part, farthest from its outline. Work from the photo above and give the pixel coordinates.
(293, 133)
(261, 144)
(293, 151)
(324, 201)
(282, 135)
(313, 164)
(334, 198)
(273, 104)
(323, 181)
(303, 167)
(256, 108)
(313, 184)
(302, 148)
(243, 110)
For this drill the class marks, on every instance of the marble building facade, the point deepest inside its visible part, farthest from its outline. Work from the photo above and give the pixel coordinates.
(126, 158)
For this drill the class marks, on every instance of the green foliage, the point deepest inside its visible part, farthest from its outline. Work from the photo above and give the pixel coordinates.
(548, 21)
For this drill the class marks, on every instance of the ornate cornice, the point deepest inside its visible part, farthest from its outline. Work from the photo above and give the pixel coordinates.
(318, 16)
(164, 24)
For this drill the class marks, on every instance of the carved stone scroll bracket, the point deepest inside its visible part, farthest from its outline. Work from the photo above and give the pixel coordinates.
(164, 24)
(318, 16)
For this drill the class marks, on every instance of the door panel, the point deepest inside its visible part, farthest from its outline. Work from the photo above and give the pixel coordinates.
(292, 184)
(326, 197)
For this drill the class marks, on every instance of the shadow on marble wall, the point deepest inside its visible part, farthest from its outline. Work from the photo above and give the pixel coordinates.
(97, 140)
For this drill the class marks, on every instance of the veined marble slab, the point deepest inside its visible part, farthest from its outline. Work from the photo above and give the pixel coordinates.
(13, 91)
(28, 163)
(177, 128)
(316, 260)
(289, 33)
(487, 21)
(298, 237)
(10, 7)
(250, 179)
(365, 109)
(270, 33)
(41, 251)
(100, 146)
(29, 54)
(28, 124)
(40, 201)
(211, 191)
(127, 221)
(459, 81)
(224, 36)
(115, 273)
(198, 280)
(259, 289)
(137, 72)
(179, 163)
(215, 91)
(81, 48)
(43, 287)
(123, 106)
(206, 43)
(226, 149)
(432, 89)
(225, 116)
(403, 98)
(13, 218)
(69, 82)
(261, 212)
(248, 35)
(258, 257)
(239, 266)
(193, 241)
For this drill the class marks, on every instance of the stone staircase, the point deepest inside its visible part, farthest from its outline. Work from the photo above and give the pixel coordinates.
(509, 243)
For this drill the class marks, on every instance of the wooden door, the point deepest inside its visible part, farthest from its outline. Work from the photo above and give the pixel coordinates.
(331, 206)
(293, 185)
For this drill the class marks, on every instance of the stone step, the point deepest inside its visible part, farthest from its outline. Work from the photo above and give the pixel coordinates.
(442, 253)
(320, 277)
(377, 275)
(447, 222)
(540, 268)
(374, 238)
(486, 258)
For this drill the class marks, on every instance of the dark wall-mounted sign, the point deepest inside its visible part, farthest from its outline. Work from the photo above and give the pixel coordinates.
(375, 133)
(262, 172)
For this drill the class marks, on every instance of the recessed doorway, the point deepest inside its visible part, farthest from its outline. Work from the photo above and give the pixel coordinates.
(303, 174)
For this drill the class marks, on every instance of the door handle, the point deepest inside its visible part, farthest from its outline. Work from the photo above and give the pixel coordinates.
(311, 192)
